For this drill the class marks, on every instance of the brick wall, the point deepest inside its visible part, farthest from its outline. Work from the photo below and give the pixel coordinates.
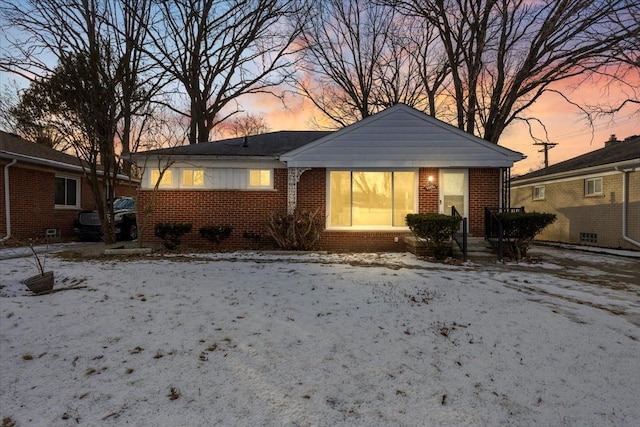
(577, 213)
(247, 211)
(484, 191)
(32, 203)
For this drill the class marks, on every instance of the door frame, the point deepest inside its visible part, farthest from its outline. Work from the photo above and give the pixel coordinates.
(441, 189)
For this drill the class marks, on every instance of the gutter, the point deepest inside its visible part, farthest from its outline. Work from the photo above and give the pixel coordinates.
(7, 199)
(625, 204)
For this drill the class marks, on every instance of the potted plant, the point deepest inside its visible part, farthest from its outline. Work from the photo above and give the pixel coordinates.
(43, 281)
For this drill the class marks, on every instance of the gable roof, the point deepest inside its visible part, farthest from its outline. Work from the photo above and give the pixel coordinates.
(612, 155)
(270, 144)
(14, 147)
(401, 136)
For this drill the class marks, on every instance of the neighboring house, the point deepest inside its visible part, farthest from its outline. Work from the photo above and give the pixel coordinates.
(596, 196)
(42, 190)
(364, 179)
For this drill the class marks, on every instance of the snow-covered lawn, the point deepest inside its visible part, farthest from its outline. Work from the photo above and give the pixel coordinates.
(250, 339)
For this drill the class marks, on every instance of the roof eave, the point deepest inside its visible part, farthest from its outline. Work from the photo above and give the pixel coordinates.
(633, 164)
(51, 163)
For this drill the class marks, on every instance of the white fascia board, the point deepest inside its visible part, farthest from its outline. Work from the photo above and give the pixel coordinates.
(400, 164)
(239, 162)
(53, 164)
(601, 170)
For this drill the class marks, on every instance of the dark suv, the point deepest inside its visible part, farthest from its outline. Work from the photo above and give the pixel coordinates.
(88, 225)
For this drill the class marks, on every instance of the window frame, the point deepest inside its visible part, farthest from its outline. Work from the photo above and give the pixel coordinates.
(260, 187)
(193, 171)
(66, 205)
(391, 227)
(594, 181)
(535, 196)
(168, 175)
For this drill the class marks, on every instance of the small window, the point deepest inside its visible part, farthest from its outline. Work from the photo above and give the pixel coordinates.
(588, 238)
(260, 178)
(67, 192)
(166, 181)
(193, 177)
(592, 186)
(538, 192)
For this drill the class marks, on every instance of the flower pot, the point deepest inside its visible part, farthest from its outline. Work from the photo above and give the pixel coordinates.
(40, 283)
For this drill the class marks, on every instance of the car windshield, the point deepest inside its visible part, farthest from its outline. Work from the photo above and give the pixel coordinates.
(119, 204)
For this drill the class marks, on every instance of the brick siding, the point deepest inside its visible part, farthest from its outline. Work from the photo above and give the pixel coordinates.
(32, 203)
(247, 211)
(577, 213)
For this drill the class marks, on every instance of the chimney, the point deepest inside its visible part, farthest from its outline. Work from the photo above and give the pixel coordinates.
(612, 140)
(245, 141)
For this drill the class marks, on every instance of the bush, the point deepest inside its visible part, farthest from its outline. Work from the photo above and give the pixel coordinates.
(300, 231)
(520, 228)
(216, 233)
(171, 233)
(436, 229)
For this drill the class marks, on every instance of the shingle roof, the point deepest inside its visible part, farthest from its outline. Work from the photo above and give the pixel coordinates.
(12, 146)
(270, 144)
(617, 152)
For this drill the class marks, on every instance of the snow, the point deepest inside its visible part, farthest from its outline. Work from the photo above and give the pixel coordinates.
(247, 339)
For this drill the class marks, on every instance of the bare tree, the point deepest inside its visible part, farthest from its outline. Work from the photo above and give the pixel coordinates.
(505, 54)
(219, 50)
(84, 97)
(245, 125)
(344, 45)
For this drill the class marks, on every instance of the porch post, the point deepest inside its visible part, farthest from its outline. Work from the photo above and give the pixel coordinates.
(292, 187)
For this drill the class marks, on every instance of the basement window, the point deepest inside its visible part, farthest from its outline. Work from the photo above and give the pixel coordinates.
(588, 238)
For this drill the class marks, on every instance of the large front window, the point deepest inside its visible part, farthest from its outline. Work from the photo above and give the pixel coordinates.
(371, 198)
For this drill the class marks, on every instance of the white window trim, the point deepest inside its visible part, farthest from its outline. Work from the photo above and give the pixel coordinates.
(78, 185)
(586, 186)
(533, 196)
(192, 170)
(260, 187)
(152, 181)
(357, 228)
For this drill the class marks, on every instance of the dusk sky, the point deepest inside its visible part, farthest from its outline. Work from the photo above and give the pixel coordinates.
(565, 125)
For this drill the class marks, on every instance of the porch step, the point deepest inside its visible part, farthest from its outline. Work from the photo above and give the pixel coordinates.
(478, 249)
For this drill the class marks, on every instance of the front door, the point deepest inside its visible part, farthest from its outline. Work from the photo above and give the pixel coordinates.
(454, 191)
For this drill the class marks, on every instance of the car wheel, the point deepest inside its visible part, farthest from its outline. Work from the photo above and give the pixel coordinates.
(133, 231)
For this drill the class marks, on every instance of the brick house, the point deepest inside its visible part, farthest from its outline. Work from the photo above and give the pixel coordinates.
(596, 196)
(42, 190)
(364, 179)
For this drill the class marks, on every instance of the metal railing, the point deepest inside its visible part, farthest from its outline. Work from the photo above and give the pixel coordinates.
(460, 237)
(493, 229)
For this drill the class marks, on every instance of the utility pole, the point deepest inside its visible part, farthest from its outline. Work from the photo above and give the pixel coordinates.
(547, 146)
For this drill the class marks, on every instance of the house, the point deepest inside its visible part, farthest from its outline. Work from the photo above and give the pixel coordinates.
(364, 179)
(595, 196)
(42, 190)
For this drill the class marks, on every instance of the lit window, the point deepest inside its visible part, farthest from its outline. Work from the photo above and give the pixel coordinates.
(538, 192)
(67, 192)
(166, 180)
(193, 177)
(260, 178)
(592, 186)
(371, 198)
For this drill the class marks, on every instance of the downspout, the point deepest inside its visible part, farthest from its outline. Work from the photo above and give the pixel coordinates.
(7, 199)
(625, 204)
